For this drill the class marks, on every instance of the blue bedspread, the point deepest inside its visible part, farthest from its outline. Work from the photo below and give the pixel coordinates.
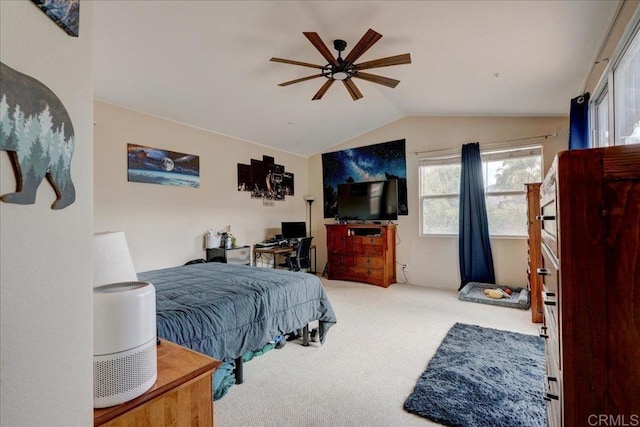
(225, 310)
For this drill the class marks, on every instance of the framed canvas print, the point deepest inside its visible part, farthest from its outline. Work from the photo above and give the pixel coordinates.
(377, 162)
(65, 13)
(164, 167)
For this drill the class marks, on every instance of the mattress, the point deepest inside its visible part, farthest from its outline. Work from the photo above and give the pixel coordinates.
(226, 310)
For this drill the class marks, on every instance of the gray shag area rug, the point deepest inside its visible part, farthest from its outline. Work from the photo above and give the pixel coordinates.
(483, 377)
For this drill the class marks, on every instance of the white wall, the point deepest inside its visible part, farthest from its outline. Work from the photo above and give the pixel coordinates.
(433, 261)
(164, 225)
(46, 342)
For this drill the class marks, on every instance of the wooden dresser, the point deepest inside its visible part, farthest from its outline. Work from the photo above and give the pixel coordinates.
(181, 396)
(534, 251)
(590, 203)
(362, 253)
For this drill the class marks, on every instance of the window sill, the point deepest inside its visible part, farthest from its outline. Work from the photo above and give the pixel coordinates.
(490, 237)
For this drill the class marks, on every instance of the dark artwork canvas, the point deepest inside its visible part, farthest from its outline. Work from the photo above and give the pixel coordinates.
(158, 166)
(265, 179)
(378, 162)
(244, 177)
(65, 13)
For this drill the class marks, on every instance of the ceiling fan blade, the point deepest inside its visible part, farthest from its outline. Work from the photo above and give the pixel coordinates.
(368, 40)
(405, 58)
(315, 40)
(352, 89)
(289, 61)
(325, 87)
(386, 81)
(290, 82)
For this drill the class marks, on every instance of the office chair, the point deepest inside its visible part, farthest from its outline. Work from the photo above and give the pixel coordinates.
(301, 259)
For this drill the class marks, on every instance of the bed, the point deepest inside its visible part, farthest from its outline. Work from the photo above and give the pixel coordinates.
(227, 310)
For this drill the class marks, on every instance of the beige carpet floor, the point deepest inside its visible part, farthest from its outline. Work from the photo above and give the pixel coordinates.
(368, 365)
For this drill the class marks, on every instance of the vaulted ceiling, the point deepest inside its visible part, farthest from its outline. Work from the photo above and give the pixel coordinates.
(206, 63)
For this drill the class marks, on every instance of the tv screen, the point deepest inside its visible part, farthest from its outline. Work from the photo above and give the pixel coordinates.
(294, 230)
(375, 200)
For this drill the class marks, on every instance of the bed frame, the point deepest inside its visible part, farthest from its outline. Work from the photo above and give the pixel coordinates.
(226, 310)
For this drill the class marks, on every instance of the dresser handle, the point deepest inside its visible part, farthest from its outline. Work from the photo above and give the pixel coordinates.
(542, 271)
(546, 299)
(551, 396)
(547, 389)
(542, 332)
(546, 217)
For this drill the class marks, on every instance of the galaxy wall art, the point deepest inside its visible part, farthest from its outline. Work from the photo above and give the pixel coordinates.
(158, 166)
(378, 162)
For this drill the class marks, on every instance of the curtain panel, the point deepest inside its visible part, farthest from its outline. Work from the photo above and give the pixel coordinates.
(579, 122)
(475, 257)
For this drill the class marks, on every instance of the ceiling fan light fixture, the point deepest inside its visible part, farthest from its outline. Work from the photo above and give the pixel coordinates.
(345, 69)
(340, 75)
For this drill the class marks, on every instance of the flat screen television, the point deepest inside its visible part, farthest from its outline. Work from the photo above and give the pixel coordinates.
(294, 230)
(362, 201)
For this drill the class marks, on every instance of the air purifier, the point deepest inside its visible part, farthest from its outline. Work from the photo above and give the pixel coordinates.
(124, 342)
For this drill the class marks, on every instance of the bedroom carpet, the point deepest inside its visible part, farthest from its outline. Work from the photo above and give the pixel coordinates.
(368, 365)
(483, 377)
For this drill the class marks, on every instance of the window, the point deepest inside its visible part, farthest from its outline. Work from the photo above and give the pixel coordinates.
(616, 108)
(626, 78)
(505, 173)
(439, 190)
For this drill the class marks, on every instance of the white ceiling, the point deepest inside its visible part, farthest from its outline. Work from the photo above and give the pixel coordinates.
(206, 63)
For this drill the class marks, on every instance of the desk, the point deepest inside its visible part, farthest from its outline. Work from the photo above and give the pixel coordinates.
(274, 251)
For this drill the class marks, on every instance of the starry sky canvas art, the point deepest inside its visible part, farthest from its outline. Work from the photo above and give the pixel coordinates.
(378, 162)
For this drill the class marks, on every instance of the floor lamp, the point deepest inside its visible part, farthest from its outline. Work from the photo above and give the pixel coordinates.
(309, 200)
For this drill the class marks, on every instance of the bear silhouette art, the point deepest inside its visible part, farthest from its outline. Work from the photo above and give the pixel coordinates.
(37, 133)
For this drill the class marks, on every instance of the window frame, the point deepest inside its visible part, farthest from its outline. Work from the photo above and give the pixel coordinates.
(495, 152)
(597, 104)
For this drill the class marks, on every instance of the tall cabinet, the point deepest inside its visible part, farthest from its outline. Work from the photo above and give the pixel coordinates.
(362, 253)
(534, 251)
(590, 216)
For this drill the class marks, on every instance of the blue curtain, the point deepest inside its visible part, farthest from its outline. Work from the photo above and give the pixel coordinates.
(579, 122)
(476, 260)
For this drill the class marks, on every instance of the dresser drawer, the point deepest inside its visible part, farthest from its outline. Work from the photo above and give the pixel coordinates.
(553, 342)
(369, 261)
(552, 395)
(549, 227)
(368, 246)
(368, 272)
(337, 259)
(548, 213)
(548, 272)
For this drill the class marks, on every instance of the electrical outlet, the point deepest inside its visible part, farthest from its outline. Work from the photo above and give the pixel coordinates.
(405, 266)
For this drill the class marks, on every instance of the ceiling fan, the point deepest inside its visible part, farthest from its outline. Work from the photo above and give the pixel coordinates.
(344, 69)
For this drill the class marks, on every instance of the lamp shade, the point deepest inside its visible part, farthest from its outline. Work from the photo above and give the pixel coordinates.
(112, 261)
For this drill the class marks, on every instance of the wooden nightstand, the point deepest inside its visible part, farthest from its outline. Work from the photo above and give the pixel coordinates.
(181, 396)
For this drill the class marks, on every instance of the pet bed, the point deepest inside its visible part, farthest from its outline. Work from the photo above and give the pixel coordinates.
(474, 292)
